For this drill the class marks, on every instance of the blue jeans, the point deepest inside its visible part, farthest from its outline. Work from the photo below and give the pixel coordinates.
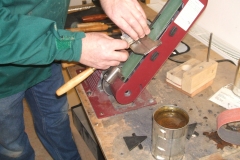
(51, 122)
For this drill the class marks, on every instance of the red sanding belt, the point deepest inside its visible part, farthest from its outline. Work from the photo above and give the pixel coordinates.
(228, 116)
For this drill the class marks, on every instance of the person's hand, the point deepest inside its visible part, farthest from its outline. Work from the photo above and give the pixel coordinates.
(128, 15)
(101, 51)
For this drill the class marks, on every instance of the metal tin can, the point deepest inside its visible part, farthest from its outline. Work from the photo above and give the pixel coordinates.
(170, 124)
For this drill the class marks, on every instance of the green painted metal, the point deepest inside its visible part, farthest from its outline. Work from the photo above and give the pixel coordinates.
(157, 28)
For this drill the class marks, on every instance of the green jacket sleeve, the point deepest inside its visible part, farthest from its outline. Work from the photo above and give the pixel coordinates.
(29, 40)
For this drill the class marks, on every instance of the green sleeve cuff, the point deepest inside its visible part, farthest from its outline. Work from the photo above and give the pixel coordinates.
(69, 45)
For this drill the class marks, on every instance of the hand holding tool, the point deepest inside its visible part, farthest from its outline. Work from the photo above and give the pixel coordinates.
(168, 28)
(82, 76)
(142, 45)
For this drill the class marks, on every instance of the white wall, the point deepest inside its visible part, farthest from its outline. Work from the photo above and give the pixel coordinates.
(221, 19)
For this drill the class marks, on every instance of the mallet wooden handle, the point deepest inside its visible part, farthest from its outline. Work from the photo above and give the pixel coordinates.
(75, 81)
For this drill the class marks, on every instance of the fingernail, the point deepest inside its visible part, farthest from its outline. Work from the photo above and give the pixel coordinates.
(147, 31)
(136, 38)
(142, 36)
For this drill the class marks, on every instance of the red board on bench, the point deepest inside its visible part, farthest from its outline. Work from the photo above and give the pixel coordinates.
(105, 105)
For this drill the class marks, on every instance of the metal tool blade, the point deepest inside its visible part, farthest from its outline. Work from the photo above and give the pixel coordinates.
(141, 46)
(144, 45)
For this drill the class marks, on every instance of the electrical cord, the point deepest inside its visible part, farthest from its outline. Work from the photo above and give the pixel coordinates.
(225, 60)
(176, 60)
(221, 60)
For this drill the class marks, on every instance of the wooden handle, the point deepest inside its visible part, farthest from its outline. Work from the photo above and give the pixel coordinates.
(101, 27)
(93, 18)
(68, 64)
(74, 81)
(89, 24)
(95, 28)
(115, 32)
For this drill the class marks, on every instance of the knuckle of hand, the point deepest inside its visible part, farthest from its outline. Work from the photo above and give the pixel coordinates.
(132, 22)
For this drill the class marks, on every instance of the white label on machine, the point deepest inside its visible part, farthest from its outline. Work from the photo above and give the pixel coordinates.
(189, 14)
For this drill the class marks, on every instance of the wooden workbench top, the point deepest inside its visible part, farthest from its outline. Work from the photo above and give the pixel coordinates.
(110, 131)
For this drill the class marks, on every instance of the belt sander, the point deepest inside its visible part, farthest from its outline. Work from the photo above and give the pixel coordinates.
(122, 88)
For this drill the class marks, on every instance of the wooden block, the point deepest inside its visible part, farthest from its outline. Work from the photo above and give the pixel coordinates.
(175, 75)
(195, 92)
(192, 76)
(199, 75)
